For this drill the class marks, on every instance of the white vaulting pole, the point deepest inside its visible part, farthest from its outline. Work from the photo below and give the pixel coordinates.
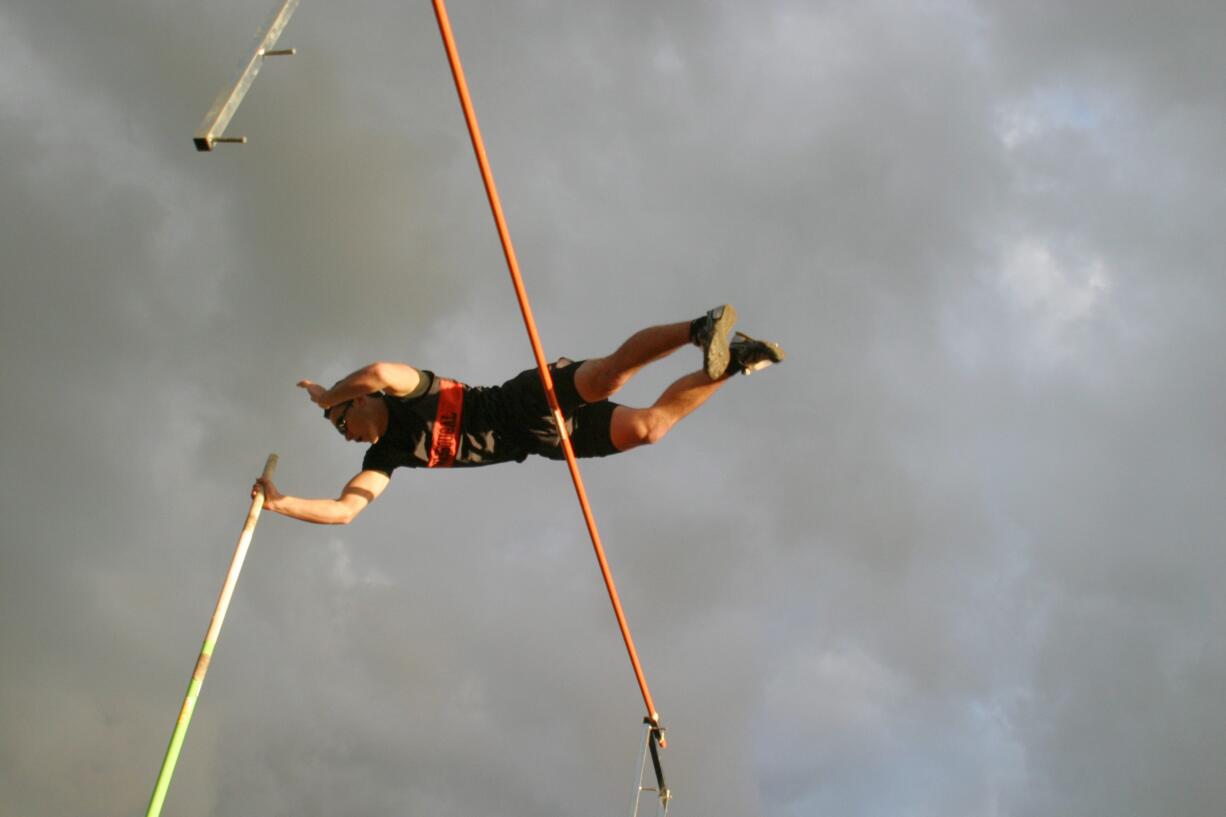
(206, 652)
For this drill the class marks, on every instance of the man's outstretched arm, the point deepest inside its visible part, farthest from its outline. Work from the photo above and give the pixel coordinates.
(399, 379)
(355, 496)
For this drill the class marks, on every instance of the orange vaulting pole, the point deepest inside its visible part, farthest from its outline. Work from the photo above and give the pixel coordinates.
(470, 116)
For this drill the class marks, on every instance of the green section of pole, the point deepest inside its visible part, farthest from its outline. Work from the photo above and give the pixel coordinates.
(206, 652)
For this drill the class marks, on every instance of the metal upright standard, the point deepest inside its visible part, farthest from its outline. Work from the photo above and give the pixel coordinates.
(651, 743)
(215, 121)
(206, 652)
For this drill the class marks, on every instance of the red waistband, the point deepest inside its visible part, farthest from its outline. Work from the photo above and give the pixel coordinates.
(445, 442)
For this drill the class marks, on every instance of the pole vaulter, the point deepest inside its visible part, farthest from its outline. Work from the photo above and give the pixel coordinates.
(474, 130)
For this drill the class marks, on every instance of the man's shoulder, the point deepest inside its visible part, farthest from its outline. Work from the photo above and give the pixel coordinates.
(423, 391)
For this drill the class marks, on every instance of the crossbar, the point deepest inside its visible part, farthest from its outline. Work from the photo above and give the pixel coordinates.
(521, 293)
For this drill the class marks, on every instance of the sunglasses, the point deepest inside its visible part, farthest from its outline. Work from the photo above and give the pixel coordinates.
(340, 423)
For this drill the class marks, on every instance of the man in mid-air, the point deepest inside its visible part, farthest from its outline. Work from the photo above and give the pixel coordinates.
(413, 418)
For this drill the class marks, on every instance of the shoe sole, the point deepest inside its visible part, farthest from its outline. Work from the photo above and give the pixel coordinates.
(715, 354)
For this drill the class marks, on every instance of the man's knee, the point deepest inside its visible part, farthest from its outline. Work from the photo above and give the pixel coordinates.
(596, 380)
(654, 428)
(634, 427)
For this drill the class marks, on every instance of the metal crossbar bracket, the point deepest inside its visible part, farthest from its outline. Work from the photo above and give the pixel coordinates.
(651, 744)
(215, 121)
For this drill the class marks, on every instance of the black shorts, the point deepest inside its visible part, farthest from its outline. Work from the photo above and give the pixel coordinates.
(531, 419)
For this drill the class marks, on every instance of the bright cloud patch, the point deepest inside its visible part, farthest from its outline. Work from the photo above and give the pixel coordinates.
(1046, 110)
(839, 691)
(1055, 296)
(347, 575)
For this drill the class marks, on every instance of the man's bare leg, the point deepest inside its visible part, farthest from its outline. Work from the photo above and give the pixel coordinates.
(600, 377)
(631, 427)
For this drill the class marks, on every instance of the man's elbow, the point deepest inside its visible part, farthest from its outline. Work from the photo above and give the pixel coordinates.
(346, 512)
(342, 516)
(380, 374)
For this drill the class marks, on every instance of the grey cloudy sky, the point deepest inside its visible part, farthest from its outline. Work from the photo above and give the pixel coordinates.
(959, 555)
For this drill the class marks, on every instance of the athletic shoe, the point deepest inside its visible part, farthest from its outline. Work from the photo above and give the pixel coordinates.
(748, 355)
(711, 333)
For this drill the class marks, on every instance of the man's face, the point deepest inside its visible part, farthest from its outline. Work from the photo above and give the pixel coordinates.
(355, 420)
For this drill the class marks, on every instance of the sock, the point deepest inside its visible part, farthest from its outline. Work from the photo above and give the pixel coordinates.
(696, 326)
